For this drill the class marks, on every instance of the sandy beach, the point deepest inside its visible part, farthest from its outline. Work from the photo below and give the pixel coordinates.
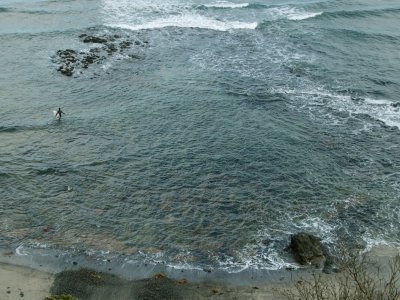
(22, 282)
(19, 282)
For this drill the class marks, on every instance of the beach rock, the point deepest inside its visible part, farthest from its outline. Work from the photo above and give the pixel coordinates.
(307, 249)
(66, 70)
(93, 39)
(66, 53)
(71, 62)
(89, 59)
(125, 44)
(111, 48)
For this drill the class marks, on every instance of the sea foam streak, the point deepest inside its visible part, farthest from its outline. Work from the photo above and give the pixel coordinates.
(380, 109)
(304, 15)
(226, 4)
(188, 21)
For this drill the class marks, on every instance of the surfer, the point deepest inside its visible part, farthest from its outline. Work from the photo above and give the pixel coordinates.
(59, 112)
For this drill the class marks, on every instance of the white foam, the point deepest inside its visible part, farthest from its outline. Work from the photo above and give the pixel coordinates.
(226, 4)
(378, 109)
(258, 255)
(378, 101)
(187, 21)
(318, 226)
(376, 242)
(303, 15)
(292, 13)
(136, 12)
(255, 256)
(20, 251)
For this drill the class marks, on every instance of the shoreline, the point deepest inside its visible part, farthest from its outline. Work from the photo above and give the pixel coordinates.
(21, 280)
(54, 261)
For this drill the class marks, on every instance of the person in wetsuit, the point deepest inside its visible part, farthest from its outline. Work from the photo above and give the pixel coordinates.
(59, 112)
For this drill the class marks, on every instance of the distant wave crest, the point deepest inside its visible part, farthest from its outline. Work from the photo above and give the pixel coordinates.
(188, 21)
(226, 4)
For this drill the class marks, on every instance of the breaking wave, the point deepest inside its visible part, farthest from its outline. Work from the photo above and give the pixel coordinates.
(225, 4)
(188, 21)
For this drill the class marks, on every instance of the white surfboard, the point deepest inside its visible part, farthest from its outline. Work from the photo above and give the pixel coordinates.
(55, 114)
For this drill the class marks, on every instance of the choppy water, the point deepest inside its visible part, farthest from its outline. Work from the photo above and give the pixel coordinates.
(238, 124)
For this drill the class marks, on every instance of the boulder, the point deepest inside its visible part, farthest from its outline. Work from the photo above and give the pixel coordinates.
(307, 249)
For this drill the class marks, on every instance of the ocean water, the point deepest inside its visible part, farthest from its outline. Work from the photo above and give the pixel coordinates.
(225, 128)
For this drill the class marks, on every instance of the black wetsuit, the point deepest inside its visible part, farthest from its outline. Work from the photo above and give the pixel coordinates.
(59, 112)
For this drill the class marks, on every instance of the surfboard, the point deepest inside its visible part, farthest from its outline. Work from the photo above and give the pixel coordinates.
(55, 114)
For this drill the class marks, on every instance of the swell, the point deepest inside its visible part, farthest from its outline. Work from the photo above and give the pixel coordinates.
(357, 34)
(14, 129)
(4, 10)
(33, 12)
(38, 12)
(360, 13)
(50, 33)
(8, 129)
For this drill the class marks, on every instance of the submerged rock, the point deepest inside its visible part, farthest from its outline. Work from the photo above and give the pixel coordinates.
(93, 39)
(125, 44)
(307, 249)
(111, 48)
(397, 104)
(71, 62)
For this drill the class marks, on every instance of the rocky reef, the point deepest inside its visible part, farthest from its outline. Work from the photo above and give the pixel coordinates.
(100, 48)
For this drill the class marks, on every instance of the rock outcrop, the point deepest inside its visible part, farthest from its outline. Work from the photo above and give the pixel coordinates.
(307, 250)
(102, 47)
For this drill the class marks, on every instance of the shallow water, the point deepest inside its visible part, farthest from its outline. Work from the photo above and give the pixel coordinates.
(226, 128)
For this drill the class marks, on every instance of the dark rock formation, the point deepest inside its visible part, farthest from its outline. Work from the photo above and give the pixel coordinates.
(66, 70)
(125, 44)
(71, 62)
(397, 104)
(111, 48)
(307, 249)
(92, 39)
(67, 55)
